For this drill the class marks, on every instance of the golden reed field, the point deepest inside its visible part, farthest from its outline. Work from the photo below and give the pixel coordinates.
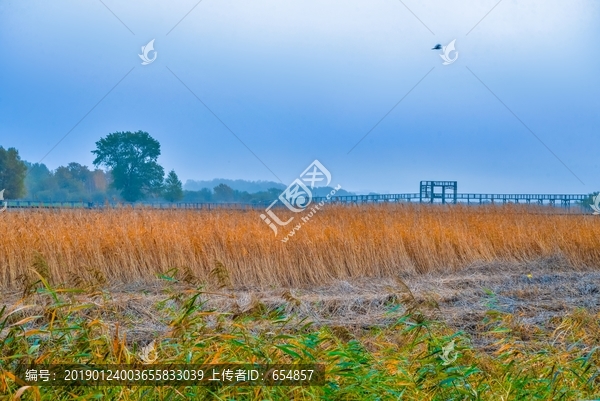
(339, 242)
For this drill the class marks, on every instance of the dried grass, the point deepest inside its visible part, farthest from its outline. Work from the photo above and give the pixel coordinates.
(235, 248)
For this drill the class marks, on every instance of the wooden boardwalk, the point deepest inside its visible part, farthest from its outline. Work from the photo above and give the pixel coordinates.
(562, 200)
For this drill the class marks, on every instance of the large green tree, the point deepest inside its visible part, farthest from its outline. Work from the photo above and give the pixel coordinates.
(12, 173)
(172, 189)
(132, 159)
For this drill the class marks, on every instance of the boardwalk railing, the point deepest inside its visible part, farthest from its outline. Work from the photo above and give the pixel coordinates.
(539, 199)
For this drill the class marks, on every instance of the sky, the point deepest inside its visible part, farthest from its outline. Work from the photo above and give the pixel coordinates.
(258, 89)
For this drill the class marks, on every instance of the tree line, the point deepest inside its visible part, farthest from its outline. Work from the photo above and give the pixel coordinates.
(131, 173)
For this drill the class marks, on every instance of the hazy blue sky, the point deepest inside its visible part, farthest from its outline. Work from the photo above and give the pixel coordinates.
(304, 80)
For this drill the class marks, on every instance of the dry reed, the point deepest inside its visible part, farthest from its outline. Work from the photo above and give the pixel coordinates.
(338, 243)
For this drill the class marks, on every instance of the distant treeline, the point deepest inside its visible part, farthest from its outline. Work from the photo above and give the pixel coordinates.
(224, 193)
(239, 185)
(76, 182)
(73, 182)
(132, 173)
(226, 190)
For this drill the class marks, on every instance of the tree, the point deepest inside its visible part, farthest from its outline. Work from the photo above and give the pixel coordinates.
(204, 195)
(72, 178)
(132, 159)
(223, 193)
(39, 181)
(12, 173)
(73, 182)
(173, 189)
